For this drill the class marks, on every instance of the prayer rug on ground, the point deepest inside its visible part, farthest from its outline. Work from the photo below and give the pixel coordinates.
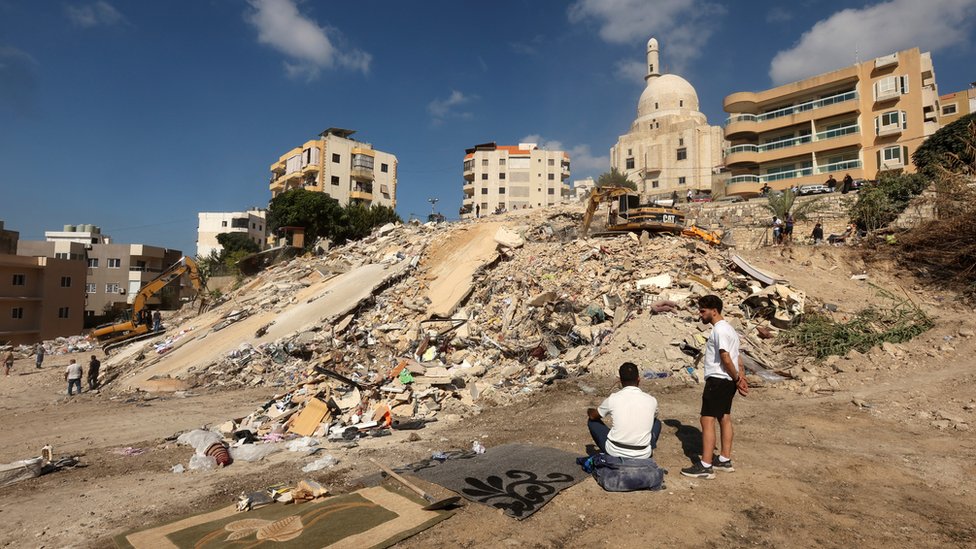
(517, 478)
(371, 517)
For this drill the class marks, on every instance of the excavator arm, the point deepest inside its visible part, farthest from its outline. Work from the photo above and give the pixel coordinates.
(130, 329)
(597, 196)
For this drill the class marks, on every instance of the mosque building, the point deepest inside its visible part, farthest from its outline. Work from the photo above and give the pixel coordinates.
(670, 146)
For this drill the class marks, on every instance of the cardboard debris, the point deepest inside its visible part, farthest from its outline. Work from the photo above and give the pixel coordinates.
(310, 418)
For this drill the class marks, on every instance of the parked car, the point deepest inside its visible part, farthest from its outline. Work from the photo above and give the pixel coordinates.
(814, 189)
(701, 198)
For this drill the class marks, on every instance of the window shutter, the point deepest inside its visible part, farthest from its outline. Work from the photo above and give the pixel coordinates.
(879, 159)
(904, 156)
(876, 90)
(904, 120)
(877, 125)
(904, 85)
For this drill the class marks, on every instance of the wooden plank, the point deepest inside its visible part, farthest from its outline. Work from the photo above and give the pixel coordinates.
(310, 418)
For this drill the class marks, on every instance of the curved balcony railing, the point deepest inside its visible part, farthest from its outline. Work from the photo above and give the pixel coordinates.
(793, 109)
(839, 166)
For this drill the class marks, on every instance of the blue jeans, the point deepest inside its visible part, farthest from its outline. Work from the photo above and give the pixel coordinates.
(599, 431)
(74, 383)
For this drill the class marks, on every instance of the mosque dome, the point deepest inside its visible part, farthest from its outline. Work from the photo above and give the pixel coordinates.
(668, 92)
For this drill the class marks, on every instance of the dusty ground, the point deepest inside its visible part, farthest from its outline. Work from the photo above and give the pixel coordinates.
(813, 469)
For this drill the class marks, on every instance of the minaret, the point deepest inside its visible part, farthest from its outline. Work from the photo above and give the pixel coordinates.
(653, 63)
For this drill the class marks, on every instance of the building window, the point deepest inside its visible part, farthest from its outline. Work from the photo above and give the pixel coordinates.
(682, 153)
(655, 184)
(112, 288)
(501, 161)
(223, 223)
(65, 281)
(484, 161)
(62, 312)
(62, 256)
(484, 190)
(681, 141)
(630, 164)
(949, 109)
(501, 190)
(20, 280)
(889, 87)
(17, 312)
(91, 288)
(892, 155)
(484, 176)
(89, 312)
(552, 176)
(681, 181)
(501, 175)
(336, 158)
(630, 152)
(681, 103)
(385, 168)
(114, 263)
(92, 262)
(335, 180)
(552, 191)
(655, 105)
(552, 162)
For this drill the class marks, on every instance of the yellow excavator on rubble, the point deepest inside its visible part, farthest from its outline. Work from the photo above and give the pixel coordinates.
(630, 215)
(133, 326)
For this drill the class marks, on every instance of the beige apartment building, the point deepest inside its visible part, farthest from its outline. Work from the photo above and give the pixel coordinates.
(859, 120)
(504, 177)
(114, 273)
(350, 171)
(956, 105)
(210, 224)
(40, 297)
(670, 146)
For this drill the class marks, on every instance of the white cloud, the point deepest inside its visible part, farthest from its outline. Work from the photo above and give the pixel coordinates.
(582, 161)
(873, 31)
(93, 15)
(681, 26)
(631, 70)
(309, 46)
(442, 109)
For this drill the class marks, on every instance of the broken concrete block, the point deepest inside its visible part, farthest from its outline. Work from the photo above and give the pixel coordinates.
(660, 281)
(543, 298)
(508, 238)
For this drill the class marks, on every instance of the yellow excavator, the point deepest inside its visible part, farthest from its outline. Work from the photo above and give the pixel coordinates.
(129, 328)
(633, 216)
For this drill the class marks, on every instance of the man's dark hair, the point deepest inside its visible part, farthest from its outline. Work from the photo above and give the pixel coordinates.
(710, 302)
(628, 373)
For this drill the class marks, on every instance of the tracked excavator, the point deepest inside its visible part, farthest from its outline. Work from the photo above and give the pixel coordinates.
(631, 216)
(128, 328)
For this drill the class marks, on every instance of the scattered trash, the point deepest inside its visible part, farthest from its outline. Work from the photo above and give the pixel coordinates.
(477, 447)
(322, 463)
(202, 463)
(178, 468)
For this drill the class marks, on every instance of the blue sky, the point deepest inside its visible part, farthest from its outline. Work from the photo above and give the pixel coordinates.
(136, 115)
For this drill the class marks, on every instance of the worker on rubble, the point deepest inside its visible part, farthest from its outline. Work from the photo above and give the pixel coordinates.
(724, 376)
(39, 355)
(8, 361)
(635, 428)
(157, 321)
(93, 368)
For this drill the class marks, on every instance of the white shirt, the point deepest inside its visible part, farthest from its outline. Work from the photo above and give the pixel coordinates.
(633, 414)
(74, 371)
(722, 338)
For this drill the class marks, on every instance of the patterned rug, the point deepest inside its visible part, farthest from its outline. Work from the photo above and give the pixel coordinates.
(371, 517)
(517, 478)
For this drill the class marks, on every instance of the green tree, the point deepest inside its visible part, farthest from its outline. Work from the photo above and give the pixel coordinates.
(614, 178)
(359, 220)
(782, 205)
(318, 213)
(948, 139)
(234, 242)
(878, 205)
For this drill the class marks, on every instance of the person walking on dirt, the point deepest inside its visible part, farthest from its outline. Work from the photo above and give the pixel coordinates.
(72, 374)
(38, 355)
(157, 320)
(777, 230)
(635, 428)
(93, 367)
(788, 228)
(724, 375)
(690, 195)
(817, 234)
(8, 362)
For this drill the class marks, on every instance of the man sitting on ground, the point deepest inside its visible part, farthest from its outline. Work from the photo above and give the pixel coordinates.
(635, 428)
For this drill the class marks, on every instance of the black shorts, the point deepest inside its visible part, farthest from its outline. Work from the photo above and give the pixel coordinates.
(717, 397)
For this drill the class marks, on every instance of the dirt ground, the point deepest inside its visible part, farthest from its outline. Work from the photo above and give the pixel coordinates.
(864, 464)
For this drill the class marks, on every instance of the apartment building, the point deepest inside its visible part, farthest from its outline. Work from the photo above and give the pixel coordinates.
(40, 297)
(351, 171)
(859, 120)
(956, 105)
(504, 177)
(114, 273)
(210, 224)
(670, 146)
(582, 188)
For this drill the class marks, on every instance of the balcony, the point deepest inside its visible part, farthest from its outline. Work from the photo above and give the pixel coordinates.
(891, 129)
(839, 166)
(469, 173)
(747, 123)
(360, 195)
(741, 154)
(361, 173)
(311, 168)
(791, 174)
(468, 189)
(743, 185)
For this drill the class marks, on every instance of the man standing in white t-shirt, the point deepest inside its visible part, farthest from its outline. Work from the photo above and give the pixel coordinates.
(724, 375)
(72, 374)
(635, 427)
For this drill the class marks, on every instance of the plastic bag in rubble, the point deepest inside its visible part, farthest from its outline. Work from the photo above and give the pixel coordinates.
(321, 463)
(202, 463)
(253, 452)
(303, 444)
(199, 439)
